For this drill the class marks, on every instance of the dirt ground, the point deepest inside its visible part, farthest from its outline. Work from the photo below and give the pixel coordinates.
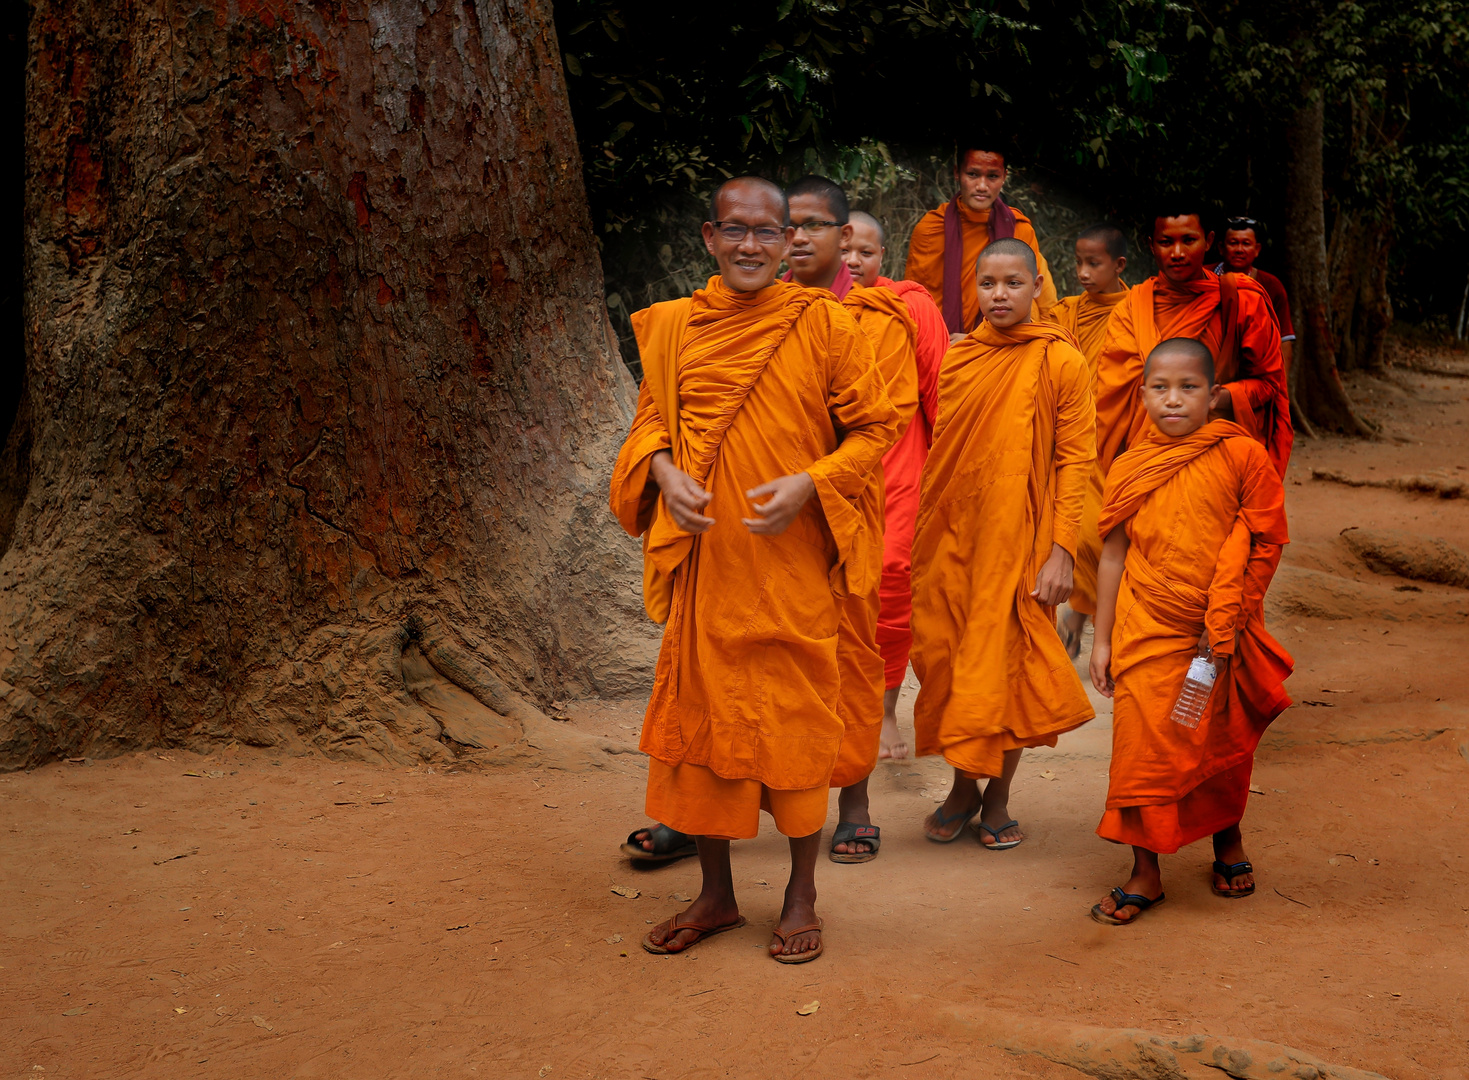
(241, 915)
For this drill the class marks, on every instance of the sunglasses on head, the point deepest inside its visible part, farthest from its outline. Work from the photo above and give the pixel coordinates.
(1242, 223)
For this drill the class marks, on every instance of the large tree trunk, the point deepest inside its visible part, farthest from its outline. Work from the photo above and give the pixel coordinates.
(321, 390)
(1316, 387)
(1361, 309)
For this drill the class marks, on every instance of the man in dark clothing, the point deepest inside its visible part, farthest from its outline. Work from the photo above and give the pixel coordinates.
(1241, 247)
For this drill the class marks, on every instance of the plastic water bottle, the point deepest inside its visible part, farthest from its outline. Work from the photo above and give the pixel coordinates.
(1198, 684)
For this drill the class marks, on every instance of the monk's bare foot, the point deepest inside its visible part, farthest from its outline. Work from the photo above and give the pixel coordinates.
(948, 820)
(1229, 848)
(1140, 884)
(797, 912)
(892, 744)
(852, 806)
(705, 911)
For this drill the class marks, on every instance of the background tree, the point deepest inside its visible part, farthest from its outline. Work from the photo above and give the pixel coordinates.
(321, 392)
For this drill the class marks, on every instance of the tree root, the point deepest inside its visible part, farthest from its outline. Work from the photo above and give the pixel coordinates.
(1417, 557)
(1425, 483)
(1135, 1054)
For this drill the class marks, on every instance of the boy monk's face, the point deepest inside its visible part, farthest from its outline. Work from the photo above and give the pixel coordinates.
(1097, 271)
(1006, 289)
(1177, 394)
(981, 179)
(864, 254)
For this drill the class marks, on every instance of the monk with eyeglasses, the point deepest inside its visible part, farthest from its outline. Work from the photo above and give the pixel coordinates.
(760, 418)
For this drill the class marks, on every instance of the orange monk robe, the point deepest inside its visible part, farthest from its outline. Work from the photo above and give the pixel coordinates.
(1205, 515)
(902, 468)
(926, 259)
(1014, 442)
(742, 389)
(1086, 317)
(886, 323)
(1246, 358)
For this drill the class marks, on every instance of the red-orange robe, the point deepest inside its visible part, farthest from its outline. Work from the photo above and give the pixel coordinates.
(926, 258)
(1086, 317)
(1014, 442)
(884, 319)
(743, 388)
(1232, 316)
(902, 468)
(1205, 515)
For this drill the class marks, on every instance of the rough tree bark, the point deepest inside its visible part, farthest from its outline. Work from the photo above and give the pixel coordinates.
(320, 385)
(1316, 387)
(1361, 307)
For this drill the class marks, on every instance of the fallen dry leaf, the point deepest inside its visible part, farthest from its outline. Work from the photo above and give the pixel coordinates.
(679, 897)
(180, 1009)
(74, 1012)
(1256, 790)
(260, 1023)
(807, 1010)
(627, 891)
(613, 940)
(544, 1070)
(550, 806)
(761, 881)
(1048, 775)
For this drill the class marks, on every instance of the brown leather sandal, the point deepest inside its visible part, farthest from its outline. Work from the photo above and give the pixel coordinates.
(800, 958)
(674, 926)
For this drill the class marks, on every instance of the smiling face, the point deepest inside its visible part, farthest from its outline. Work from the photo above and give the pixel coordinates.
(1096, 270)
(1177, 393)
(816, 249)
(864, 253)
(748, 265)
(1179, 245)
(1006, 289)
(981, 178)
(1241, 249)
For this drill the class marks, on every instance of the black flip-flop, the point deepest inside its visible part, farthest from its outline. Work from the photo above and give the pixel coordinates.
(1122, 900)
(668, 845)
(941, 819)
(848, 831)
(1230, 871)
(998, 845)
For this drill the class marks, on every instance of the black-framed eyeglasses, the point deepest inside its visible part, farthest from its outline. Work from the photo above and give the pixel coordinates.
(816, 228)
(1242, 223)
(734, 232)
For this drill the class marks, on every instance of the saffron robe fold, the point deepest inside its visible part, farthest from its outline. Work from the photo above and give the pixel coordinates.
(1205, 515)
(926, 258)
(1086, 317)
(902, 468)
(884, 320)
(1015, 438)
(767, 384)
(1232, 316)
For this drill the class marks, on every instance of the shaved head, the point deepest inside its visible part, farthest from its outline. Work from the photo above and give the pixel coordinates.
(1010, 246)
(753, 184)
(1186, 348)
(828, 191)
(1113, 238)
(862, 217)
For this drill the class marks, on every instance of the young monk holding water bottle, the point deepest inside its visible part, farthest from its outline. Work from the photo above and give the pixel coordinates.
(1192, 522)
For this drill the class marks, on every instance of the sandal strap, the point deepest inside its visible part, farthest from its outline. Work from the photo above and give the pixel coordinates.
(1232, 870)
(1128, 899)
(786, 935)
(675, 926)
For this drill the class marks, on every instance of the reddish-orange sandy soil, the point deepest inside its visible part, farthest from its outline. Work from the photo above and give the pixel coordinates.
(241, 915)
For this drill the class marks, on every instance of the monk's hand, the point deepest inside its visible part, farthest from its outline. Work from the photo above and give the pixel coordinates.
(1053, 583)
(1101, 667)
(783, 501)
(684, 498)
(956, 336)
(1222, 402)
